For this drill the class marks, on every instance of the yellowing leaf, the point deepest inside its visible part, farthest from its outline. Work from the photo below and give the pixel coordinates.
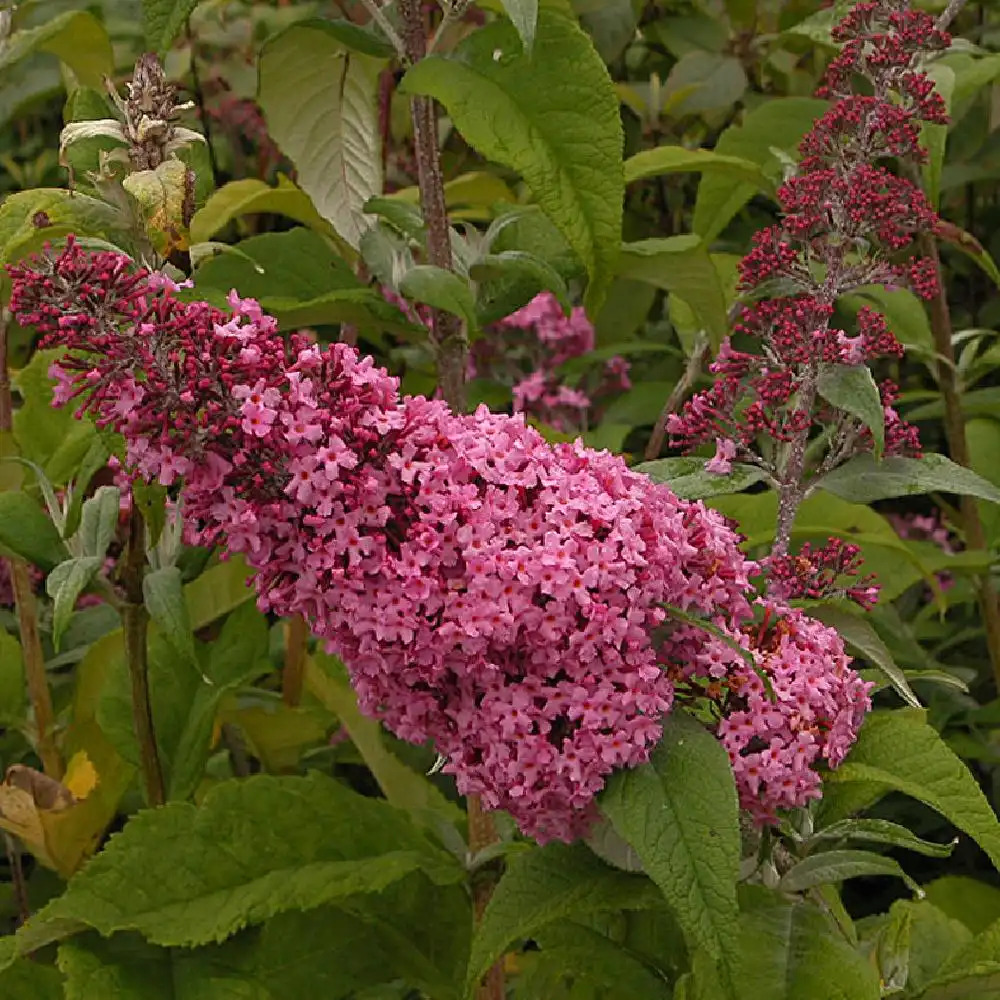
(165, 197)
(33, 804)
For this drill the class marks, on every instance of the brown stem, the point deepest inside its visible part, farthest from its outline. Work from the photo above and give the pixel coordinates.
(134, 622)
(18, 882)
(694, 366)
(451, 348)
(958, 447)
(448, 334)
(296, 637)
(27, 609)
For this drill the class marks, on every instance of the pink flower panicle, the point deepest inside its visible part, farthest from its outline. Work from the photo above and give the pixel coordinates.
(778, 739)
(487, 591)
(848, 222)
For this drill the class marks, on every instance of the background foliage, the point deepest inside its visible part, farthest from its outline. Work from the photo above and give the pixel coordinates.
(621, 155)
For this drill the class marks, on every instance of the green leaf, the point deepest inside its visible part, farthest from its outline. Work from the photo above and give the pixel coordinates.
(99, 520)
(678, 160)
(864, 480)
(400, 214)
(402, 786)
(701, 82)
(859, 636)
(64, 211)
(217, 591)
(163, 20)
(835, 866)
(319, 98)
(972, 971)
(793, 951)
(523, 15)
(27, 533)
(976, 904)
(299, 280)
(883, 831)
(64, 585)
(520, 264)
(440, 289)
(251, 196)
(898, 750)
(934, 138)
(610, 23)
(95, 459)
(852, 389)
(681, 264)
(546, 885)
(777, 124)
(12, 690)
(50, 437)
(75, 37)
(253, 849)
(235, 658)
(689, 480)
(329, 953)
(686, 832)
(553, 119)
(27, 980)
(163, 593)
(574, 953)
(903, 311)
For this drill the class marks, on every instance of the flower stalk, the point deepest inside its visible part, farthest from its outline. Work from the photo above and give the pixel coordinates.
(26, 607)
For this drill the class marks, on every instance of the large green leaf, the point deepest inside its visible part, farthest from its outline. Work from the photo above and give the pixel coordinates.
(299, 280)
(794, 951)
(575, 958)
(26, 980)
(679, 160)
(553, 117)
(777, 124)
(235, 658)
(30, 219)
(976, 904)
(186, 876)
(685, 831)
(852, 389)
(546, 885)
(865, 480)
(972, 971)
(26, 532)
(330, 952)
(75, 37)
(251, 196)
(681, 265)
(319, 97)
(898, 750)
(861, 637)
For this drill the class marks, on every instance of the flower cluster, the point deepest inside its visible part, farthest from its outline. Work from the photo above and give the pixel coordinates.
(798, 704)
(847, 222)
(486, 590)
(542, 337)
(831, 570)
